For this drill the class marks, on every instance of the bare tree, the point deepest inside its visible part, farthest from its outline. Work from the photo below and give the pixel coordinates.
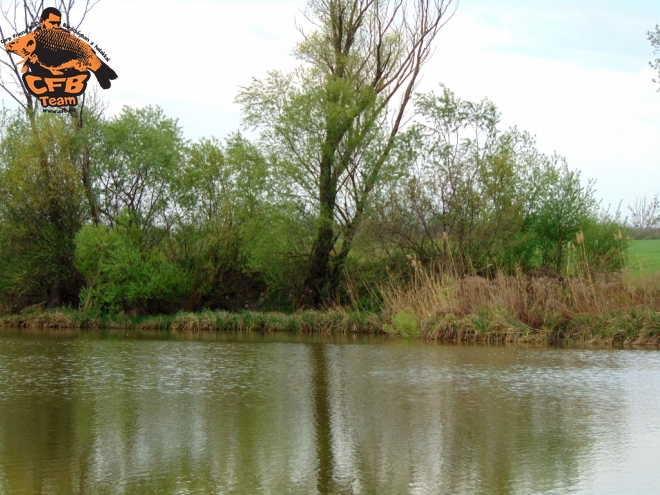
(644, 214)
(336, 120)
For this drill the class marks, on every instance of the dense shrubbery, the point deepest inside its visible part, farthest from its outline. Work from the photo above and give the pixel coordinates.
(122, 275)
(477, 199)
(225, 225)
(41, 209)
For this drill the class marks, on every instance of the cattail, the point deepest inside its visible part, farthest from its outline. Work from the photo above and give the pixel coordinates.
(445, 236)
(580, 237)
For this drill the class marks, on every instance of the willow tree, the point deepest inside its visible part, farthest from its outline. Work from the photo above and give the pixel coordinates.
(333, 123)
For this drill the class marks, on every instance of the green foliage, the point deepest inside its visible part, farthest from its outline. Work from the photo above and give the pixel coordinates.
(404, 323)
(606, 245)
(120, 276)
(134, 165)
(333, 122)
(435, 195)
(564, 208)
(276, 245)
(478, 199)
(222, 193)
(232, 224)
(41, 209)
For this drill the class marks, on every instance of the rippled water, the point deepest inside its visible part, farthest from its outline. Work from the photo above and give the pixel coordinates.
(109, 413)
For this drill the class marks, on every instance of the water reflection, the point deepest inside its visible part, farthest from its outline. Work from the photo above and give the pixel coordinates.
(83, 413)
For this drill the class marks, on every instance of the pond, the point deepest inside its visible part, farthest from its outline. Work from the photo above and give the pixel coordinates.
(111, 412)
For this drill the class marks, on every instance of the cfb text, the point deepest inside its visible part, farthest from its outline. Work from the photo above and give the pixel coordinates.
(44, 87)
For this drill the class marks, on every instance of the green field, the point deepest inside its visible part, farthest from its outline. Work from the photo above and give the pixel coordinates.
(645, 255)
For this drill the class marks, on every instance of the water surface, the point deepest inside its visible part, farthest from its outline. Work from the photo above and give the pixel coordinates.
(96, 413)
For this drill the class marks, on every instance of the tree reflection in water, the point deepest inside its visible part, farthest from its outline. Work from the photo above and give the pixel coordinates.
(86, 414)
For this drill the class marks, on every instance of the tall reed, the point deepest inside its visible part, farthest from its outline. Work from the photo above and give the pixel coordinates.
(589, 307)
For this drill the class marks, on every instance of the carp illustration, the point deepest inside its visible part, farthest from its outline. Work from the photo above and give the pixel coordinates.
(57, 51)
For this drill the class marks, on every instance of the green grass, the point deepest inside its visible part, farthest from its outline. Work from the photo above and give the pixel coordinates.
(330, 321)
(645, 256)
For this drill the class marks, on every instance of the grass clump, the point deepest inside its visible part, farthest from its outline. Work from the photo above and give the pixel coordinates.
(404, 323)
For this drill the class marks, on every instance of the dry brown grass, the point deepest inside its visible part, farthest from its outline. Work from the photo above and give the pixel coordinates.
(613, 308)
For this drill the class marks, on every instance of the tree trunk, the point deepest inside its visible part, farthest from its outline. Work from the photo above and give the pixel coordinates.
(87, 185)
(85, 170)
(560, 245)
(318, 273)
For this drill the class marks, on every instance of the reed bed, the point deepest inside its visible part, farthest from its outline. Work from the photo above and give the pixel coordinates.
(608, 309)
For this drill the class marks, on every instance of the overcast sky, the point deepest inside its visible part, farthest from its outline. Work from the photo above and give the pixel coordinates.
(573, 73)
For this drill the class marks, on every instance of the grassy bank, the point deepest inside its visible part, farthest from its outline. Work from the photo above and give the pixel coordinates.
(614, 309)
(334, 320)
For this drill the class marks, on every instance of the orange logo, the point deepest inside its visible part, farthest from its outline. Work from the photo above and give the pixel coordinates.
(56, 63)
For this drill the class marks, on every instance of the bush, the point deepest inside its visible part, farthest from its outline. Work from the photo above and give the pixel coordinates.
(404, 323)
(120, 276)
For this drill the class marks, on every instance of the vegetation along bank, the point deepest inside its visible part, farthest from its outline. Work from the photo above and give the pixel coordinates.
(335, 217)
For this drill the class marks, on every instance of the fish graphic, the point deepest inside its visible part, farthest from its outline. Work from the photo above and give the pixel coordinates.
(57, 50)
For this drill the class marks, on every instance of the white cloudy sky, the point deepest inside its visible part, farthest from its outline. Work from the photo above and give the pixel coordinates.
(574, 73)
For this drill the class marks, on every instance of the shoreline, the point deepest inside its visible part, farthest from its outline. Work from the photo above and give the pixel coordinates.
(638, 327)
